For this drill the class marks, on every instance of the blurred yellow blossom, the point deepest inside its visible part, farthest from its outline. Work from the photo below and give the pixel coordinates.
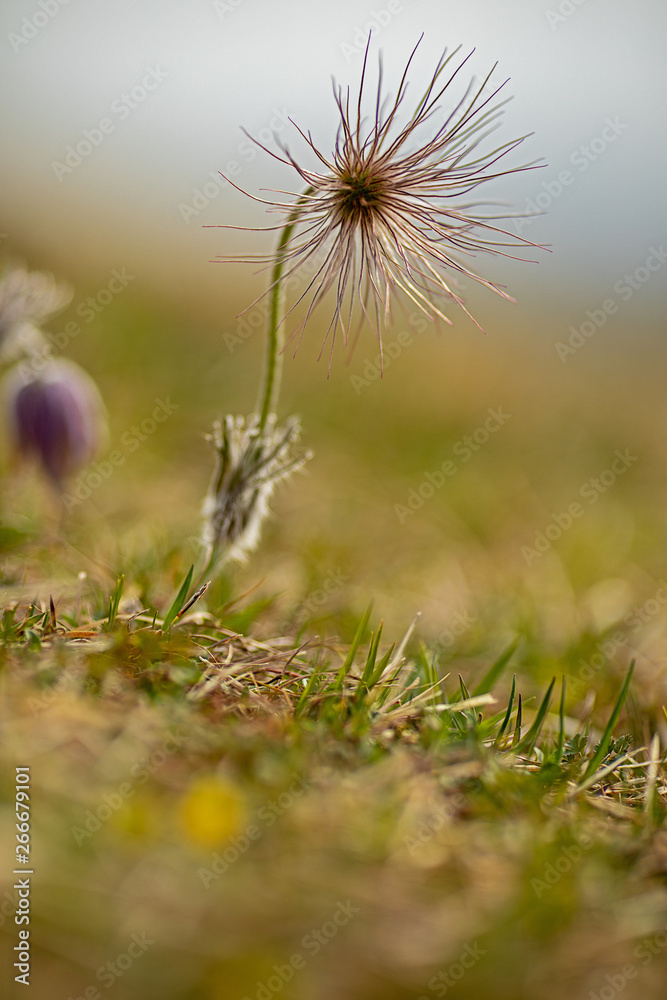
(212, 811)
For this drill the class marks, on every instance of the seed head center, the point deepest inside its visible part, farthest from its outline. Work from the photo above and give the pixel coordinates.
(360, 193)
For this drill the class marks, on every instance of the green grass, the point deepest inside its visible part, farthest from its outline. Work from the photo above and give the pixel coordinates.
(281, 791)
(225, 796)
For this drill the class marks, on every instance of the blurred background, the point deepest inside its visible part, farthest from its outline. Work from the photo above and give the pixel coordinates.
(559, 407)
(157, 94)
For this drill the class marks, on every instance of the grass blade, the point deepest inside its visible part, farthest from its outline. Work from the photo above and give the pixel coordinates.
(494, 672)
(475, 701)
(317, 671)
(561, 723)
(526, 744)
(508, 713)
(603, 746)
(372, 655)
(179, 601)
(431, 675)
(114, 601)
(378, 672)
(598, 775)
(352, 652)
(651, 778)
(517, 728)
(447, 704)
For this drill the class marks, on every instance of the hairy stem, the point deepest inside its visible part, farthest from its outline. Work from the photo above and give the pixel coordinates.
(268, 396)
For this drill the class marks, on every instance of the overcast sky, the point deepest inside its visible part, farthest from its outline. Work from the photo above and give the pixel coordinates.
(588, 78)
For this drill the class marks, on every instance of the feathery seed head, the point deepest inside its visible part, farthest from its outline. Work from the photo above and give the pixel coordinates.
(28, 296)
(250, 462)
(385, 215)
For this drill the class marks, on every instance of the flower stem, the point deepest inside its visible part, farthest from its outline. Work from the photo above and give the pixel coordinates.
(268, 396)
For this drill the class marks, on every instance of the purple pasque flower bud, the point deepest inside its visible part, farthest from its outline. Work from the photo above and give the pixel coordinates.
(56, 417)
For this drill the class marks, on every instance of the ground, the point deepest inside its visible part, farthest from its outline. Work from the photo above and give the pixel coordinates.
(266, 795)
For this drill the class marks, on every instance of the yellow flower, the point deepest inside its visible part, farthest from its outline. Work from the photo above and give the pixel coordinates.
(212, 811)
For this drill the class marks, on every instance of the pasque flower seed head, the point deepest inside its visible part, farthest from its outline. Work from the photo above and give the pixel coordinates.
(28, 297)
(387, 212)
